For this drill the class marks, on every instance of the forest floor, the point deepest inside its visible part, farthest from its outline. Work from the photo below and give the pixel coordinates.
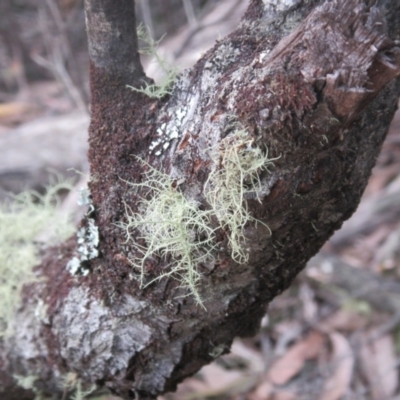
(334, 335)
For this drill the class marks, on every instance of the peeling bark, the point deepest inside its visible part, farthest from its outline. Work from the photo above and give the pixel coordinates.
(314, 83)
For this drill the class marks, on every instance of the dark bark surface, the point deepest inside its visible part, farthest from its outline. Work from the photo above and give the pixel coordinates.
(314, 83)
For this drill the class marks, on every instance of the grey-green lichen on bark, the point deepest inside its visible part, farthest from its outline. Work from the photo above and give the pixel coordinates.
(106, 340)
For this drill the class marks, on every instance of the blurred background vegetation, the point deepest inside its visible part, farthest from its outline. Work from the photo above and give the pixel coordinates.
(46, 39)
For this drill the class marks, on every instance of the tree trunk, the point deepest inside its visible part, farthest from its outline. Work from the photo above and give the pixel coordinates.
(308, 90)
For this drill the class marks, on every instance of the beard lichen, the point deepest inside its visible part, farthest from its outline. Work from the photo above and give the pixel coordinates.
(234, 179)
(172, 227)
(150, 48)
(176, 229)
(27, 220)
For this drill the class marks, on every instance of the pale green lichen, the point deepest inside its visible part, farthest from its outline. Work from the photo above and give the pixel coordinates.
(24, 221)
(234, 179)
(150, 49)
(177, 230)
(72, 384)
(28, 383)
(173, 228)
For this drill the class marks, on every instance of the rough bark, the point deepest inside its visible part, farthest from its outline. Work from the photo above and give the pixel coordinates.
(312, 81)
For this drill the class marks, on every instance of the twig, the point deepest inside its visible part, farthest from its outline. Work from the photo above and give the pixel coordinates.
(201, 27)
(55, 48)
(385, 328)
(190, 14)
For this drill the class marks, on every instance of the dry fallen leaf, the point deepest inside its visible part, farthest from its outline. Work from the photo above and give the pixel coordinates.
(291, 363)
(13, 111)
(214, 380)
(378, 360)
(284, 395)
(254, 359)
(342, 363)
(216, 377)
(262, 392)
(344, 320)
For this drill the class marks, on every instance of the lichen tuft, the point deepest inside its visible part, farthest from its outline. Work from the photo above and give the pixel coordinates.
(178, 230)
(171, 226)
(25, 220)
(234, 179)
(150, 48)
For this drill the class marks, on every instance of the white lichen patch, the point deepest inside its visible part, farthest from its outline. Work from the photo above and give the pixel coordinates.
(160, 131)
(41, 312)
(168, 132)
(262, 56)
(88, 240)
(155, 143)
(74, 266)
(22, 222)
(280, 5)
(174, 127)
(180, 114)
(84, 196)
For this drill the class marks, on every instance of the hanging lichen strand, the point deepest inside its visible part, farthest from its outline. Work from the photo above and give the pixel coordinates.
(173, 226)
(235, 177)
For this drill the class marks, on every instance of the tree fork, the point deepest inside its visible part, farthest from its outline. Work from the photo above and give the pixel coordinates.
(312, 82)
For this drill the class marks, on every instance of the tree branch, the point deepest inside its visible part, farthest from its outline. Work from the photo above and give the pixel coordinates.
(318, 95)
(113, 47)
